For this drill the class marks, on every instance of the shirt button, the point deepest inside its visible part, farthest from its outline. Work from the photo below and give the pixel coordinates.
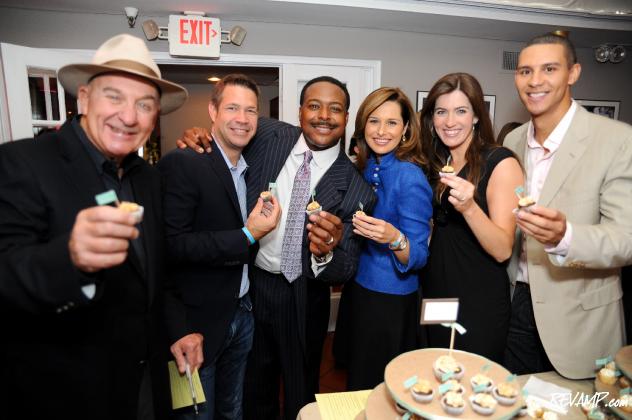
(377, 169)
(374, 175)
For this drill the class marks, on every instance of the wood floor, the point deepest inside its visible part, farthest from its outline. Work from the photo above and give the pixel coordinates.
(331, 379)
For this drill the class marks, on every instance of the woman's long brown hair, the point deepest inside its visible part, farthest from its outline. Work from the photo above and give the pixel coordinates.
(482, 137)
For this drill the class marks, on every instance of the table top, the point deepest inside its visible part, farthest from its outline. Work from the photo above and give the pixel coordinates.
(420, 363)
(310, 411)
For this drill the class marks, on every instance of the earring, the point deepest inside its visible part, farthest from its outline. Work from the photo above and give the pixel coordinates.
(404, 138)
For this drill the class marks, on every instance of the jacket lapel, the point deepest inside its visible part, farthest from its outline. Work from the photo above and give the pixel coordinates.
(331, 187)
(141, 186)
(218, 164)
(271, 159)
(79, 168)
(567, 156)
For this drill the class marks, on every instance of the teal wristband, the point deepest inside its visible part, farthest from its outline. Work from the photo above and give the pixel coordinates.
(251, 238)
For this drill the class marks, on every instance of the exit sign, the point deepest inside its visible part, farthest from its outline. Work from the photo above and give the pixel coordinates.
(194, 36)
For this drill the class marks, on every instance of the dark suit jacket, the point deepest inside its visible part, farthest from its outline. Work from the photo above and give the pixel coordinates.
(79, 357)
(206, 246)
(339, 191)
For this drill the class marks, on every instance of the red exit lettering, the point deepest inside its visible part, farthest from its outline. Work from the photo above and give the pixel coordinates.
(196, 32)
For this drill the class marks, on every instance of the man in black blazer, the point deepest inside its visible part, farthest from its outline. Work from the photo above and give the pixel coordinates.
(291, 317)
(210, 239)
(80, 284)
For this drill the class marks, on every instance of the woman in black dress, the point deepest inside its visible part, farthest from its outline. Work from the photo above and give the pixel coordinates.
(474, 225)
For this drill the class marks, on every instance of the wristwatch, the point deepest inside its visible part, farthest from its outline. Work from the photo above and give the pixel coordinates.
(399, 244)
(324, 259)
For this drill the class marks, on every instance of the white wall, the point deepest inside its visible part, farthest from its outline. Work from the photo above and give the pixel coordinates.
(195, 112)
(412, 61)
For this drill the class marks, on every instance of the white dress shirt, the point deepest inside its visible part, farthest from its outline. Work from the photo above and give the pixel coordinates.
(538, 160)
(269, 256)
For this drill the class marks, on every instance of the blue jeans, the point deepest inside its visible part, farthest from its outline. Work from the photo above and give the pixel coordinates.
(223, 380)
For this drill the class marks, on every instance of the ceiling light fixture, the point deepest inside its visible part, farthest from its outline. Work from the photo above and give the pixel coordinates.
(613, 53)
(131, 13)
(153, 31)
(213, 79)
(617, 54)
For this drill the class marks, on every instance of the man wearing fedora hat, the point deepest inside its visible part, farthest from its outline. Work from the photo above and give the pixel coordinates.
(81, 290)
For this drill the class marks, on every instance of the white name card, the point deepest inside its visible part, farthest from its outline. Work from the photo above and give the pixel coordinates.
(438, 311)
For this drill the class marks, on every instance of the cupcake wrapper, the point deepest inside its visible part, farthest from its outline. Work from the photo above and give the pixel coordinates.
(453, 411)
(488, 388)
(503, 400)
(485, 411)
(315, 211)
(439, 373)
(422, 398)
(138, 214)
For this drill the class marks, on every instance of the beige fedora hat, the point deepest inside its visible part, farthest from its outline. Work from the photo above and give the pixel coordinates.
(127, 54)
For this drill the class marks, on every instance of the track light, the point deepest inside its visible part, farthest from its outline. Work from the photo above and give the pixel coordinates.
(602, 53)
(613, 53)
(617, 54)
(131, 13)
(153, 31)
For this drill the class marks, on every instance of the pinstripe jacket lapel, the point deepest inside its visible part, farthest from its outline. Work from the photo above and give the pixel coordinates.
(332, 186)
(266, 156)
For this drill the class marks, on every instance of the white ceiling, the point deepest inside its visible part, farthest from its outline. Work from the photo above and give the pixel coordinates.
(591, 22)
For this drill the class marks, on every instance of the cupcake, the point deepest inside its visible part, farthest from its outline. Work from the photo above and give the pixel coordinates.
(505, 393)
(483, 403)
(313, 208)
(624, 382)
(479, 380)
(611, 365)
(422, 391)
(359, 213)
(133, 208)
(266, 196)
(446, 170)
(549, 415)
(525, 202)
(607, 376)
(453, 403)
(625, 403)
(455, 386)
(447, 364)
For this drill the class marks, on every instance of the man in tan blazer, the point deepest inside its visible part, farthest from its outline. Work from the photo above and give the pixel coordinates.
(566, 308)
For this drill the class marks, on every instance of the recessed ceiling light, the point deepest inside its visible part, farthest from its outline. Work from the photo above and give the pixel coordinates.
(213, 79)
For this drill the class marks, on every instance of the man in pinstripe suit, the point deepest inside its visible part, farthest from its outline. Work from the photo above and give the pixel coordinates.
(291, 317)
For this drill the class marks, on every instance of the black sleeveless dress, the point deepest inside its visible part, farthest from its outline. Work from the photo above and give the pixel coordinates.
(459, 267)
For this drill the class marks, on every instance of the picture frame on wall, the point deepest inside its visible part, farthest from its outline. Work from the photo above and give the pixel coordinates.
(608, 109)
(421, 97)
(490, 103)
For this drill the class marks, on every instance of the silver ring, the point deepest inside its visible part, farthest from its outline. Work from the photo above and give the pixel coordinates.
(330, 241)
